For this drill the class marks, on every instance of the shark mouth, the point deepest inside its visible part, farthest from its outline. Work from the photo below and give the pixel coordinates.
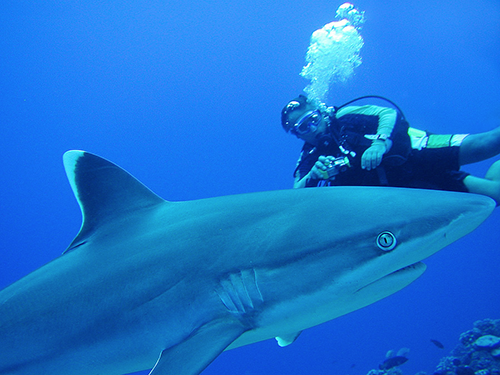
(395, 280)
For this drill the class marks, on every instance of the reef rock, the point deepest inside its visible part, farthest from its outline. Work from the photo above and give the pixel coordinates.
(495, 352)
(487, 342)
(478, 352)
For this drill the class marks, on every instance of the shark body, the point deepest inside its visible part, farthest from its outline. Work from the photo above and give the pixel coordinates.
(149, 283)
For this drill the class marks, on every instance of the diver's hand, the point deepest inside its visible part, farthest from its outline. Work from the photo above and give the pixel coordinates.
(319, 167)
(372, 157)
(317, 172)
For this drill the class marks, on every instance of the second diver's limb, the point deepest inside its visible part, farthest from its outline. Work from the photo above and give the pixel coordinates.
(489, 186)
(481, 146)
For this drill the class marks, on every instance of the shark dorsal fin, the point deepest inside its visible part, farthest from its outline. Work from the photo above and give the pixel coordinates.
(104, 191)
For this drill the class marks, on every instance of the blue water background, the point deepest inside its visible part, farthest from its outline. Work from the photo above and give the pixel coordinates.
(186, 96)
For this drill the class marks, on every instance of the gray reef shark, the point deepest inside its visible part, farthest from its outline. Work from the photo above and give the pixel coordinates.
(149, 283)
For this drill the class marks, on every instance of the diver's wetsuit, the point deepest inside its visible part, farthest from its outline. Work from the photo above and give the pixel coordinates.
(435, 165)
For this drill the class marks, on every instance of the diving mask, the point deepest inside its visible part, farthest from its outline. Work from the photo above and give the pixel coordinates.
(306, 123)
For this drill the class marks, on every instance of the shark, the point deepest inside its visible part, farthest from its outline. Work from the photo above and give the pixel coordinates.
(168, 286)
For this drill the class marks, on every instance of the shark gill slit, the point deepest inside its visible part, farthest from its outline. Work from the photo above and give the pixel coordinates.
(239, 292)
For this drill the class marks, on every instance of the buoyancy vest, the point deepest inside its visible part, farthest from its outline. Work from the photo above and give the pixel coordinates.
(351, 130)
(352, 133)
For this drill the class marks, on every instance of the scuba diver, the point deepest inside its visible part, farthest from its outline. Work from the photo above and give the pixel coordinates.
(372, 145)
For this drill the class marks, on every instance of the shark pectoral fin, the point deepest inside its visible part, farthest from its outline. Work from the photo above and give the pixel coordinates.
(285, 340)
(195, 353)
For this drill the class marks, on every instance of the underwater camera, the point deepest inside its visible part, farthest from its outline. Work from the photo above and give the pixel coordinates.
(336, 166)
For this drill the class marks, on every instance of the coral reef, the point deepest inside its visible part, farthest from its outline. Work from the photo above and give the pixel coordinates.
(478, 353)
(391, 371)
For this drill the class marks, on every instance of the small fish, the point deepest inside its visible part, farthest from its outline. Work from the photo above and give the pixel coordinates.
(437, 343)
(392, 362)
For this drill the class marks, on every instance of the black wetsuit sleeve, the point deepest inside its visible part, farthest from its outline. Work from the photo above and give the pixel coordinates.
(308, 156)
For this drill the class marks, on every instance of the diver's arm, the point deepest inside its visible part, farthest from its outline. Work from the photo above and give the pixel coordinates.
(300, 183)
(372, 157)
(381, 143)
(386, 117)
(316, 172)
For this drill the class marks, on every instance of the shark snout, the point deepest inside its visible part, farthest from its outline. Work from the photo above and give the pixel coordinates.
(448, 219)
(471, 211)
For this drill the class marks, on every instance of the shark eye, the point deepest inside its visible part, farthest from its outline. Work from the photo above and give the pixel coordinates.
(386, 241)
